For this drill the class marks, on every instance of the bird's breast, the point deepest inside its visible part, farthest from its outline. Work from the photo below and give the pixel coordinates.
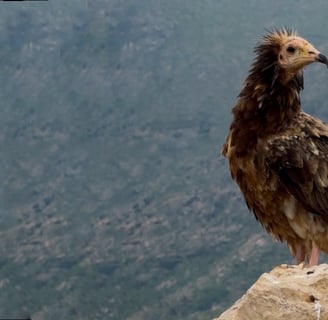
(263, 193)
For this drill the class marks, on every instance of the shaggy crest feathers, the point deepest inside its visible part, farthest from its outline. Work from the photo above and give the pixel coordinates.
(265, 67)
(277, 36)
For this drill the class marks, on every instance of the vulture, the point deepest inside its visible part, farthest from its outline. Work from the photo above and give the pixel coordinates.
(277, 153)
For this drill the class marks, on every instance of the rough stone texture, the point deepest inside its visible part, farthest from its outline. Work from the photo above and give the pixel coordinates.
(287, 292)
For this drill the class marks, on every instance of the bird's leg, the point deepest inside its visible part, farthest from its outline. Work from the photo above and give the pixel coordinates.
(315, 253)
(300, 254)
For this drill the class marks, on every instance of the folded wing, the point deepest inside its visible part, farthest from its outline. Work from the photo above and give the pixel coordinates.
(301, 162)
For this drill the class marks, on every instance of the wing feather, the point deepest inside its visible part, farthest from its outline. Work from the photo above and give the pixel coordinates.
(301, 163)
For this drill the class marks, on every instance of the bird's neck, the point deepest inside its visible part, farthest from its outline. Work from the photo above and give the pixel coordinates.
(269, 102)
(263, 110)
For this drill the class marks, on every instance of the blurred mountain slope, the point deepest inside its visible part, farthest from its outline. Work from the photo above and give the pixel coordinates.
(115, 200)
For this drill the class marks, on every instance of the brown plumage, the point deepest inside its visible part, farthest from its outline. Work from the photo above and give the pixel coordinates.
(278, 154)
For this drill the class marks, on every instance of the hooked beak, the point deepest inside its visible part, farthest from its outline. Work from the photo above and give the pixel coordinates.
(322, 58)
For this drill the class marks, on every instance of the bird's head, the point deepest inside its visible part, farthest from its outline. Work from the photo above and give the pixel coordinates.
(283, 54)
(295, 53)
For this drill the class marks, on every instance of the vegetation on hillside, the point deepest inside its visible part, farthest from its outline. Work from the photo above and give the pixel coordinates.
(115, 201)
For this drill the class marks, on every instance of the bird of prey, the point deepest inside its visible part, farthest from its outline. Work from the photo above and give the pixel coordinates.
(277, 153)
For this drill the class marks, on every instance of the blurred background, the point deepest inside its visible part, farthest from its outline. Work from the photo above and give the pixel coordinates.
(115, 202)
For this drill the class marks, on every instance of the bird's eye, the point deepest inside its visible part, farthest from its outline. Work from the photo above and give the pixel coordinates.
(290, 49)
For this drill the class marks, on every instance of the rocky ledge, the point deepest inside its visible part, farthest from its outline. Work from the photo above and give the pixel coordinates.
(287, 292)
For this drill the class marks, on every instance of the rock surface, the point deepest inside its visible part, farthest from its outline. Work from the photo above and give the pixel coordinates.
(287, 292)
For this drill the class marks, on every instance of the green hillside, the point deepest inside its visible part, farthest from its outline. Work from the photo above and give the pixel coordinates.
(115, 201)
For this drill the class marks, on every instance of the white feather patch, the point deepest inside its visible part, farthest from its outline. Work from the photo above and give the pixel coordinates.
(290, 208)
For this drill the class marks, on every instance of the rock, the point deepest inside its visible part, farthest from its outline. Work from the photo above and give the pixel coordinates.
(287, 292)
